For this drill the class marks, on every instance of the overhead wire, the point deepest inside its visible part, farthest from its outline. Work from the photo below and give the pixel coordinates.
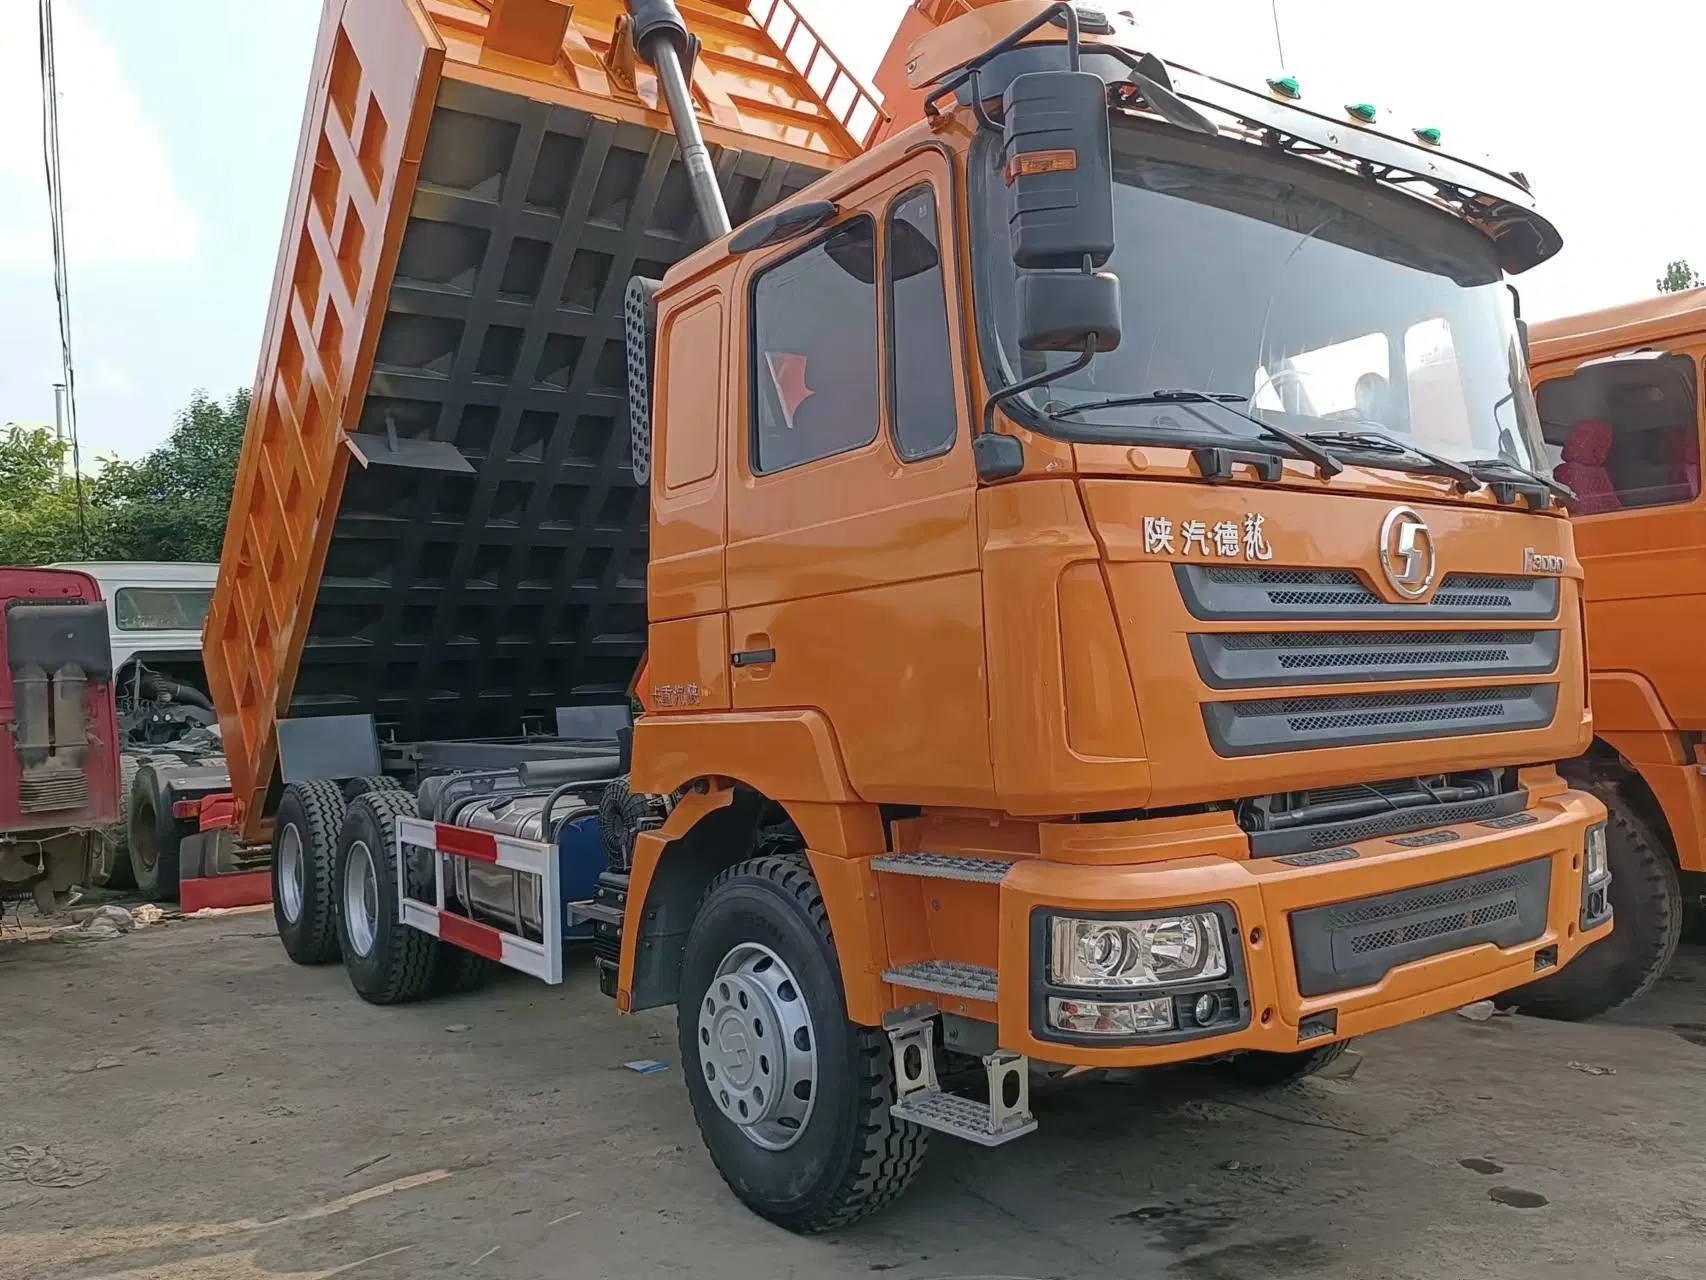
(61, 275)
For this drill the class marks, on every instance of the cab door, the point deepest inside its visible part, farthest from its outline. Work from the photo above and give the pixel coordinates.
(852, 553)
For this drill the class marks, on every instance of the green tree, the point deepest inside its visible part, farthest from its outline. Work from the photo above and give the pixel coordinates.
(1679, 276)
(38, 501)
(173, 503)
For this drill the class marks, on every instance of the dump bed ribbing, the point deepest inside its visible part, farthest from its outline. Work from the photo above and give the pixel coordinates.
(435, 520)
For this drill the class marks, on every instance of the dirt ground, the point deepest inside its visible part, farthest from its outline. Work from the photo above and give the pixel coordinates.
(184, 1102)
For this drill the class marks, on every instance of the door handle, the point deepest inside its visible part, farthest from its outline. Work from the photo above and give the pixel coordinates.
(753, 657)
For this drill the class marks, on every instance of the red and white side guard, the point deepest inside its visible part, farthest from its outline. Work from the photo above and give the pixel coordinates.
(543, 959)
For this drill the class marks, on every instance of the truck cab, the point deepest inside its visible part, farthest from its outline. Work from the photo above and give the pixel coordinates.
(1618, 392)
(59, 753)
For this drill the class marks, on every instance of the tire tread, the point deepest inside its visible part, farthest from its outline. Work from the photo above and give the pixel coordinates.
(323, 808)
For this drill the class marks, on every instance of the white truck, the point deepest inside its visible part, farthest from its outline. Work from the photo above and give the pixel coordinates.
(167, 726)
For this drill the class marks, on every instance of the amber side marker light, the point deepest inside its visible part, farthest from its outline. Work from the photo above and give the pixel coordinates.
(1032, 163)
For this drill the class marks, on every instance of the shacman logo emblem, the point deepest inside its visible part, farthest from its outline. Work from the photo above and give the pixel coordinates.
(1407, 553)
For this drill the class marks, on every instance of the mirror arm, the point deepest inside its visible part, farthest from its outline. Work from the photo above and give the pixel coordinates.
(1074, 58)
(1033, 382)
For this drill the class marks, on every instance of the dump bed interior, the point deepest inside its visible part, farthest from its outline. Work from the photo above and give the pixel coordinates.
(435, 519)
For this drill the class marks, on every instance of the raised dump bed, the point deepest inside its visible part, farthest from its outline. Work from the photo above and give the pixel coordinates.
(435, 519)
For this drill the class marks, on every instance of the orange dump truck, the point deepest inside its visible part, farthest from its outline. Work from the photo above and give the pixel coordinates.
(1618, 392)
(1062, 646)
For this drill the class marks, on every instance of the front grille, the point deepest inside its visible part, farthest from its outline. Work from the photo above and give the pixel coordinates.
(1216, 594)
(1245, 659)
(1355, 944)
(1344, 720)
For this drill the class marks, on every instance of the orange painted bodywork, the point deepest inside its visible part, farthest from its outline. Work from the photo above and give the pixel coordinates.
(995, 670)
(1002, 659)
(1645, 582)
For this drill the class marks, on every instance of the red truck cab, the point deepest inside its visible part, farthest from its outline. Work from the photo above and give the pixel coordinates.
(59, 749)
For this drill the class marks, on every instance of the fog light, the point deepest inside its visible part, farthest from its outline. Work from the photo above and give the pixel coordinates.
(1110, 1018)
(1206, 1009)
(1137, 953)
(1596, 866)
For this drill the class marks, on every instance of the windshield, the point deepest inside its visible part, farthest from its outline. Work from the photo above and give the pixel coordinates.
(1314, 301)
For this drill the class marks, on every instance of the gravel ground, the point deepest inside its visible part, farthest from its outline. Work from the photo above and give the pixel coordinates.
(185, 1103)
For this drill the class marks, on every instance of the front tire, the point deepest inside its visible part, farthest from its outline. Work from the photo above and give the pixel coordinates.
(1646, 909)
(762, 1001)
(305, 850)
(387, 961)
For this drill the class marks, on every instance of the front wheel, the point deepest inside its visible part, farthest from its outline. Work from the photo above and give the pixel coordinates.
(791, 1098)
(1646, 913)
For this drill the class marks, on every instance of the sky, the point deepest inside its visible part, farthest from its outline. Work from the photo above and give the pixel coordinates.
(179, 123)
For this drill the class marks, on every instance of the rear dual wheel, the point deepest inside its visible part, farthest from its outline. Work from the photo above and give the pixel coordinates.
(389, 962)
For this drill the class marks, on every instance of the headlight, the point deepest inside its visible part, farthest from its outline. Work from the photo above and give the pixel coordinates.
(1596, 867)
(1137, 953)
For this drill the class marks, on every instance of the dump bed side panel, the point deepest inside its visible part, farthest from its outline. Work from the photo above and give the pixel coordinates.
(376, 73)
(435, 520)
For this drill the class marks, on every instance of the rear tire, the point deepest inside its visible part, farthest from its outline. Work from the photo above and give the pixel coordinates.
(1646, 908)
(1262, 1070)
(152, 836)
(305, 850)
(847, 1156)
(457, 972)
(387, 961)
(118, 874)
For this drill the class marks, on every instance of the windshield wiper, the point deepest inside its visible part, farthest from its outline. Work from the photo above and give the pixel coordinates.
(1563, 491)
(1326, 465)
(1467, 480)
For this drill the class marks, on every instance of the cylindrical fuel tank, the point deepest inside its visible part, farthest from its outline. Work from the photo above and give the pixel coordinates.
(514, 900)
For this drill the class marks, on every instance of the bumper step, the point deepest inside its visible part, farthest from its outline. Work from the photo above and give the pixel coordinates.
(947, 978)
(943, 866)
(921, 1100)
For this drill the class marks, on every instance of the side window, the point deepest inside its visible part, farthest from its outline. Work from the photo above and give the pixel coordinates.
(1625, 431)
(922, 405)
(814, 369)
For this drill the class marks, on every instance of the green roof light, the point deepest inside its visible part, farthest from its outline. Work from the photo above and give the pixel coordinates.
(1429, 136)
(1284, 87)
(1361, 111)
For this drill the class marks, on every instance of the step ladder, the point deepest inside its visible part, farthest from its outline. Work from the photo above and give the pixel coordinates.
(920, 1099)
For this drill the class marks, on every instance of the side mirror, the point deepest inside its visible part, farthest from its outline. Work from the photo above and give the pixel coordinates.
(1063, 311)
(1059, 169)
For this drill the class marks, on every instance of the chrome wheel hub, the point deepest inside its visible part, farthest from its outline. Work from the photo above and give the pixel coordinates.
(758, 1048)
(292, 874)
(361, 897)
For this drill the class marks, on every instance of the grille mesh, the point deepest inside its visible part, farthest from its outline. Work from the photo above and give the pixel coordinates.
(1442, 895)
(1437, 926)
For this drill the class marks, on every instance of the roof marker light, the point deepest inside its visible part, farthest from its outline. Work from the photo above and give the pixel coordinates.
(1429, 136)
(1363, 112)
(1285, 87)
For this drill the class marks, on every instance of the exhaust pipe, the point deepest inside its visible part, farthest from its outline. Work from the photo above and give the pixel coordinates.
(70, 716)
(662, 39)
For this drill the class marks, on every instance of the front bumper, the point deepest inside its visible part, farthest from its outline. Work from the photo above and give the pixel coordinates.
(1318, 958)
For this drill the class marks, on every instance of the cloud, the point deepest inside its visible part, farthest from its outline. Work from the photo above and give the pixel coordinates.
(120, 205)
